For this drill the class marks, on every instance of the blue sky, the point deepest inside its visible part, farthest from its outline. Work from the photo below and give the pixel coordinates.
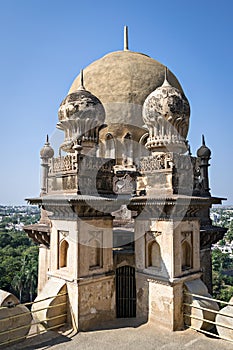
(44, 44)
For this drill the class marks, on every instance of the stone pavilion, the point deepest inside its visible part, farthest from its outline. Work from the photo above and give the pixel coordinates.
(125, 225)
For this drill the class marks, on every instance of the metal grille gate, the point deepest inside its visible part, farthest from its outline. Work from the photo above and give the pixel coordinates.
(125, 292)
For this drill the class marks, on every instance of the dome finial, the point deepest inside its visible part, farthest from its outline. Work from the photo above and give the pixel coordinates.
(165, 73)
(204, 151)
(166, 83)
(47, 151)
(203, 140)
(126, 43)
(81, 87)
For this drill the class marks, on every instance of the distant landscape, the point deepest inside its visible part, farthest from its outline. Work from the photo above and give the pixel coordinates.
(19, 254)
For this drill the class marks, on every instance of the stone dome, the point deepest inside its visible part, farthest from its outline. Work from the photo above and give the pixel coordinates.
(46, 151)
(167, 109)
(81, 104)
(122, 80)
(80, 115)
(204, 151)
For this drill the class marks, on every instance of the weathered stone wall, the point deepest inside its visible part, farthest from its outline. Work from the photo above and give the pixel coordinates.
(64, 230)
(89, 231)
(96, 302)
(165, 305)
(44, 259)
(142, 287)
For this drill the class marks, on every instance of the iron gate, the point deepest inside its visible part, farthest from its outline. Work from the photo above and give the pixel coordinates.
(125, 292)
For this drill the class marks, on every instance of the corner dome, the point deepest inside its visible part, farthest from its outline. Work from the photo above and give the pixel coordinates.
(122, 80)
(167, 110)
(204, 151)
(80, 115)
(81, 104)
(47, 151)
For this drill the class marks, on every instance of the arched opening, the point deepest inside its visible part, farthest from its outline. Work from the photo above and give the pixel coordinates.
(186, 254)
(110, 151)
(63, 254)
(95, 257)
(154, 255)
(128, 150)
(101, 150)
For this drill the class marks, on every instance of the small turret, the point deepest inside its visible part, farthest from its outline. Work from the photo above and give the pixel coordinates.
(81, 114)
(46, 153)
(204, 153)
(166, 113)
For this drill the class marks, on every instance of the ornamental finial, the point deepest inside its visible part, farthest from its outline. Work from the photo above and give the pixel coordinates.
(81, 87)
(126, 43)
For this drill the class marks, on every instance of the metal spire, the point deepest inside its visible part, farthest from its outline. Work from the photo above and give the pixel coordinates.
(47, 138)
(126, 41)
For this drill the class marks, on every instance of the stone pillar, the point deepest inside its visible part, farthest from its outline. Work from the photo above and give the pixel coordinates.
(43, 267)
(176, 246)
(206, 266)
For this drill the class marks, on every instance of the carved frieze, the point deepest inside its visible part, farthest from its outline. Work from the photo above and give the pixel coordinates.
(158, 162)
(64, 233)
(63, 164)
(186, 236)
(152, 235)
(123, 185)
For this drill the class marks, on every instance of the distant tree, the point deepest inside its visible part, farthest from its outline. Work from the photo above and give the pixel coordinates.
(229, 234)
(221, 261)
(18, 264)
(222, 283)
(31, 270)
(5, 239)
(18, 283)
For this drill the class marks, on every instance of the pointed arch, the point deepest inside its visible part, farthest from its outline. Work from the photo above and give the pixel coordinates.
(95, 257)
(110, 148)
(128, 149)
(101, 150)
(63, 254)
(154, 255)
(186, 255)
(143, 151)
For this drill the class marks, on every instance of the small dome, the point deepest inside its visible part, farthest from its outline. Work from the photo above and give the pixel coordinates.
(170, 104)
(81, 104)
(46, 151)
(80, 115)
(204, 151)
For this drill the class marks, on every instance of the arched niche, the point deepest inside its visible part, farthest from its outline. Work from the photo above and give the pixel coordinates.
(110, 148)
(101, 150)
(128, 149)
(63, 254)
(95, 254)
(186, 256)
(154, 255)
(143, 151)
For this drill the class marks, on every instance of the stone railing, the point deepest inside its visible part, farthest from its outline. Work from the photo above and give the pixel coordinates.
(19, 322)
(202, 314)
(158, 162)
(67, 163)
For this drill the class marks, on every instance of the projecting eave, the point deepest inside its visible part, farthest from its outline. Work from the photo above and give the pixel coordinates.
(39, 233)
(175, 199)
(70, 198)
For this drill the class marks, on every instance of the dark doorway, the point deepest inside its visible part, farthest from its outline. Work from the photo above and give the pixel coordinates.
(125, 292)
